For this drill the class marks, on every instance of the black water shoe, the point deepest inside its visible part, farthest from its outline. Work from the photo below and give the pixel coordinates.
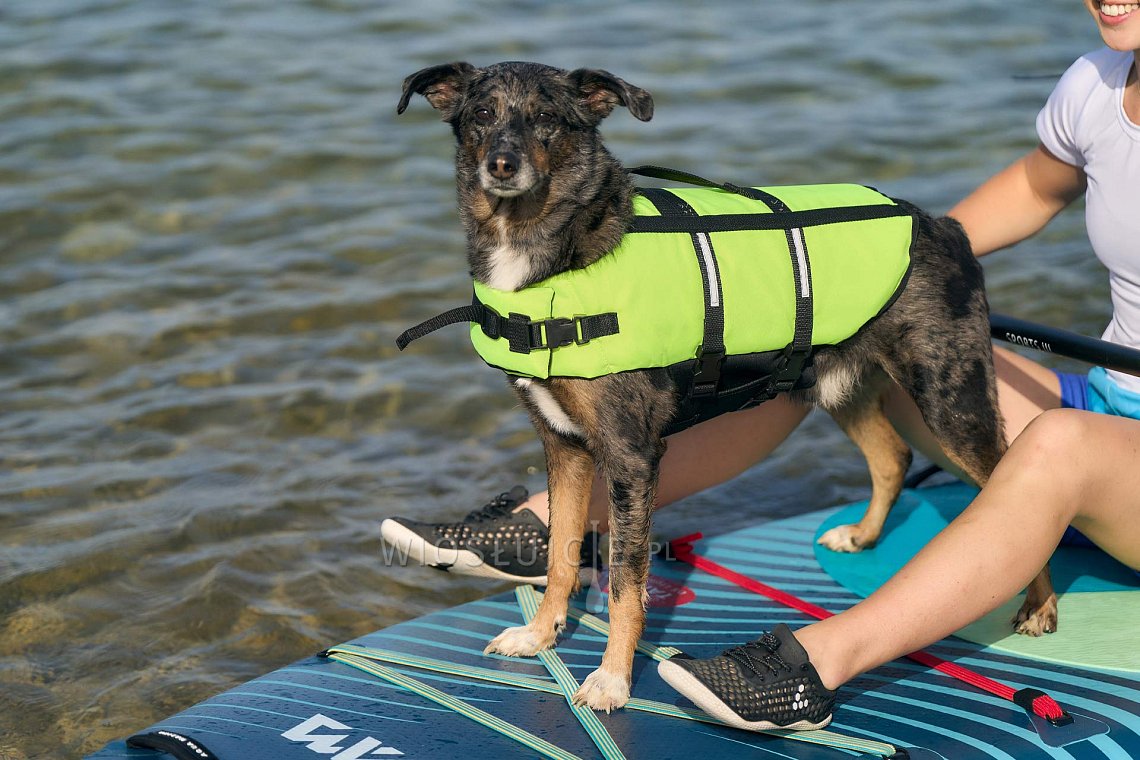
(494, 541)
(760, 686)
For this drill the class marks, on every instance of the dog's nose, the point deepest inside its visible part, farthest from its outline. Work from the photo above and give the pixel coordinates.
(503, 165)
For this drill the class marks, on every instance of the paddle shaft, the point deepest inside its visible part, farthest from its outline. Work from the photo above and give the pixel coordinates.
(1064, 343)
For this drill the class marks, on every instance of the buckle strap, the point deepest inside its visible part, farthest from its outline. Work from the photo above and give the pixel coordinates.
(522, 334)
(462, 314)
(562, 331)
(789, 369)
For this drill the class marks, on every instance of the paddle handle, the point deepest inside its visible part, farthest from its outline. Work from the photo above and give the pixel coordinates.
(1052, 340)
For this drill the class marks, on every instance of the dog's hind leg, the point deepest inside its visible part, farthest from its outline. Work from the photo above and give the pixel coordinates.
(888, 458)
(632, 479)
(570, 473)
(958, 401)
(1038, 613)
(967, 423)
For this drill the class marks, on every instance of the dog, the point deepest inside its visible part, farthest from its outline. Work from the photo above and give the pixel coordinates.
(540, 194)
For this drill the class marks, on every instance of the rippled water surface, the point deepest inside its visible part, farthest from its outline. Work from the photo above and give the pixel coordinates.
(212, 226)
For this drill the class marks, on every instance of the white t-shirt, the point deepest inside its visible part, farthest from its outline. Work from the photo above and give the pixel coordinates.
(1084, 124)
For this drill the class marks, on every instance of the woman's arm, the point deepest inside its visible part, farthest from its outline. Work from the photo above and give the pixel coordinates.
(1018, 201)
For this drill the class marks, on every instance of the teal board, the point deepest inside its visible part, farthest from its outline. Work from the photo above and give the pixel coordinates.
(903, 703)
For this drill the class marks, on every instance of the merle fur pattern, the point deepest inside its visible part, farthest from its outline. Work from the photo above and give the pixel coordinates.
(539, 193)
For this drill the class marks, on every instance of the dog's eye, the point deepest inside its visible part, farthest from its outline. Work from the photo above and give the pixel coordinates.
(544, 118)
(484, 116)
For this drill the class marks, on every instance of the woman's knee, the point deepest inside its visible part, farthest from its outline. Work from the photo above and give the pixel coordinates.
(1059, 430)
(1049, 444)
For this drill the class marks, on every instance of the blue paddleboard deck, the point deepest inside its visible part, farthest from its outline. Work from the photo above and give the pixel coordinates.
(321, 708)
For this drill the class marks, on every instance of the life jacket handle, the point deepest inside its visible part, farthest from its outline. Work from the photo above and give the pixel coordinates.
(675, 175)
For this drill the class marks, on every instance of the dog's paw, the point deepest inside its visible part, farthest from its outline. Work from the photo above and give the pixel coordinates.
(1036, 620)
(603, 690)
(520, 641)
(847, 538)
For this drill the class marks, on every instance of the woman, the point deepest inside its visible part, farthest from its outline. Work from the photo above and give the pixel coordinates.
(1067, 467)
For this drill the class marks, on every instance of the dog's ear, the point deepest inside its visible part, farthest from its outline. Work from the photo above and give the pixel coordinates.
(442, 86)
(600, 91)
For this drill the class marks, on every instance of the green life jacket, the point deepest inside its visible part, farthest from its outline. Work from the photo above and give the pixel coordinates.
(707, 279)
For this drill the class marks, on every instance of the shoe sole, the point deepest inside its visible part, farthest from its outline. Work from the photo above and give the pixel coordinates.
(700, 695)
(458, 561)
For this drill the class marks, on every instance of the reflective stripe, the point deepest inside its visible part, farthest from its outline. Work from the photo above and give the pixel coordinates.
(801, 262)
(709, 265)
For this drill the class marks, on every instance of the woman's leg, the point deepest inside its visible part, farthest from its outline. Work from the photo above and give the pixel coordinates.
(703, 456)
(1068, 467)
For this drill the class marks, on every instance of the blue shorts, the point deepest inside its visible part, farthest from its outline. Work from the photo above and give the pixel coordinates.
(1094, 392)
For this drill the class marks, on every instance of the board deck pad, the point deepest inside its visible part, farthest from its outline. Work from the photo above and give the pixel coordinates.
(1099, 598)
(320, 708)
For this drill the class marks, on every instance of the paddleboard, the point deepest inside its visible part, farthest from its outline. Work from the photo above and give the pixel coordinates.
(327, 707)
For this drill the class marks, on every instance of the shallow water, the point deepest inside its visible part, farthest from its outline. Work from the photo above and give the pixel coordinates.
(212, 227)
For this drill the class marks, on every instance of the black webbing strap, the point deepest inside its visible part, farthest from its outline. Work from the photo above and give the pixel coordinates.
(522, 334)
(470, 313)
(673, 175)
(783, 218)
(814, 217)
(797, 352)
(707, 373)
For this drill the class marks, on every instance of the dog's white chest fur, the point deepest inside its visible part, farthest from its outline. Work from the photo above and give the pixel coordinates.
(509, 267)
(550, 409)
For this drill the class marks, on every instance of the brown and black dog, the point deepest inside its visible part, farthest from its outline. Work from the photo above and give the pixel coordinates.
(540, 194)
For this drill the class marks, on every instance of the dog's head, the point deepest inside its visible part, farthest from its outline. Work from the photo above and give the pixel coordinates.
(517, 123)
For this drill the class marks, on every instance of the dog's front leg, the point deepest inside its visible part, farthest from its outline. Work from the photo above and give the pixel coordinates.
(570, 471)
(632, 480)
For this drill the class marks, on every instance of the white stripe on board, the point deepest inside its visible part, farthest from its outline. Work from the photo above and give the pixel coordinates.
(710, 268)
(801, 261)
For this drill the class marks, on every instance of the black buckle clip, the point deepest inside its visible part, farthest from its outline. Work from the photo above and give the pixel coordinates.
(562, 331)
(789, 370)
(707, 374)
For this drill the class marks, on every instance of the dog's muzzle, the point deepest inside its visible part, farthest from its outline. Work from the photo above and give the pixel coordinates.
(504, 164)
(506, 174)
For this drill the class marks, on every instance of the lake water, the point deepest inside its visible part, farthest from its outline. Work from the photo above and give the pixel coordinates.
(213, 225)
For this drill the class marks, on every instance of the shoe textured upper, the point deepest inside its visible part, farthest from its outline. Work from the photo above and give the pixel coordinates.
(769, 679)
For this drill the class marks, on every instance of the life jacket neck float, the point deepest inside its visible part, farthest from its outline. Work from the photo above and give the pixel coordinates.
(730, 289)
